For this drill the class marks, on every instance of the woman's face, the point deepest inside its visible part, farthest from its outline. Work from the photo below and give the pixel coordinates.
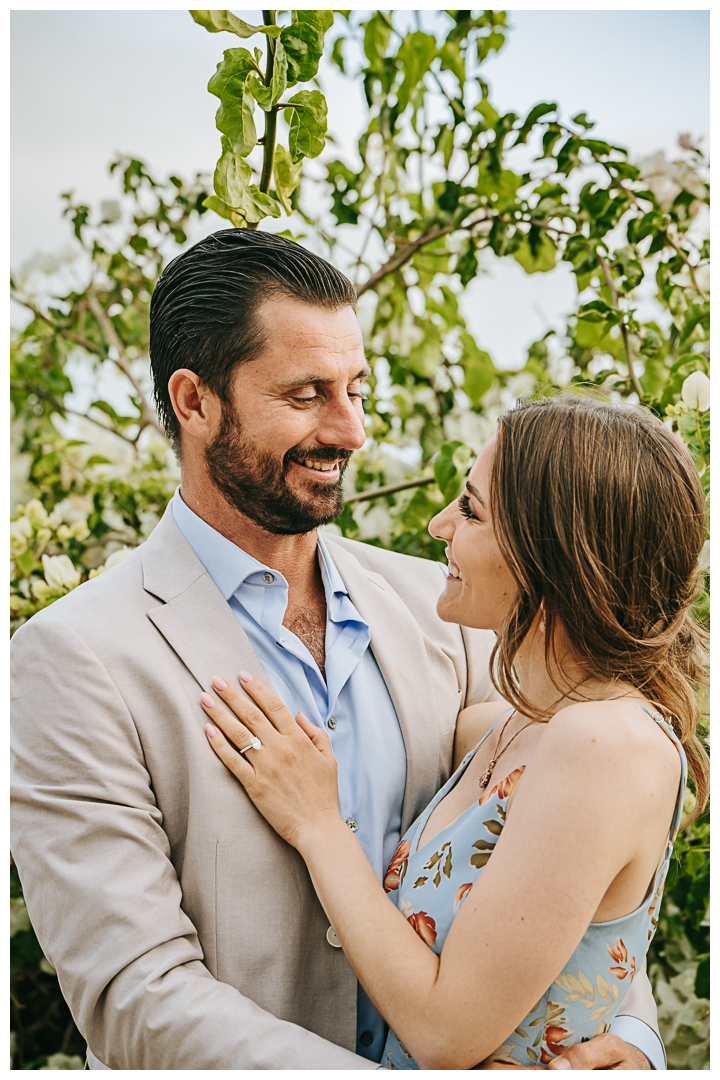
(479, 587)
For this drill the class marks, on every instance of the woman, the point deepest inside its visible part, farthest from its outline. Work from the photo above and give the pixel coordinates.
(523, 899)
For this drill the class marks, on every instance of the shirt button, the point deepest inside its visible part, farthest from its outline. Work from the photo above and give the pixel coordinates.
(332, 938)
(367, 1038)
(268, 578)
(352, 824)
(332, 723)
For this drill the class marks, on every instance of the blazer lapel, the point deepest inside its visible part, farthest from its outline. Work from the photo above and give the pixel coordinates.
(195, 619)
(400, 649)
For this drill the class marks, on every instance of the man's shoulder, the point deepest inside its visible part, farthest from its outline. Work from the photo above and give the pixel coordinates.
(389, 563)
(97, 605)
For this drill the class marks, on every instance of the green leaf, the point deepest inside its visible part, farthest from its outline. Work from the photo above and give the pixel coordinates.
(539, 260)
(234, 118)
(550, 137)
(235, 192)
(287, 177)
(583, 121)
(537, 111)
(702, 976)
(336, 56)
(377, 36)
(25, 563)
(215, 21)
(446, 471)
(415, 54)
(452, 59)
(479, 369)
(308, 124)
(303, 42)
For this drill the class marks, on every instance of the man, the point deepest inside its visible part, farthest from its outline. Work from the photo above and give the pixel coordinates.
(185, 933)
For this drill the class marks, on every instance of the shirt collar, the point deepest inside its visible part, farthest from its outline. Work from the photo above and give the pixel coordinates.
(229, 566)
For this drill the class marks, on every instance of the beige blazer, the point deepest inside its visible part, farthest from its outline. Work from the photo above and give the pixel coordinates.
(185, 933)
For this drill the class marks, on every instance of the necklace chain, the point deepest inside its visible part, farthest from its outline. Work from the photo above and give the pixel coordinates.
(485, 778)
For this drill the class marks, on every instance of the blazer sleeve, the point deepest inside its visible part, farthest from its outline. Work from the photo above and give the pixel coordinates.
(639, 1001)
(101, 890)
(478, 648)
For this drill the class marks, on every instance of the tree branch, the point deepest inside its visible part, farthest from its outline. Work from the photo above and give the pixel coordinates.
(623, 325)
(390, 489)
(60, 408)
(148, 413)
(271, 117)
(404, 255)
(89, 346)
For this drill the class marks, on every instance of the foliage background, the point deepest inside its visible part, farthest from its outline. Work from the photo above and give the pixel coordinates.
(448, 185)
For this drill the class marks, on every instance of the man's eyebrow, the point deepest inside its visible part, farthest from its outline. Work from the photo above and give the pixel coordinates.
(475, 494)
(312, 380)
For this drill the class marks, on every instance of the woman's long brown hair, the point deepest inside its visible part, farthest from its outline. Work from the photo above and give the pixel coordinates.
(600, 514)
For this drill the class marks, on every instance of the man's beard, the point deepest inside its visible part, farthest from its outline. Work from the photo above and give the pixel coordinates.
(255, 483)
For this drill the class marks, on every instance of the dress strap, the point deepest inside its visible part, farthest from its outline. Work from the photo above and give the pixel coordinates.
(670, 732)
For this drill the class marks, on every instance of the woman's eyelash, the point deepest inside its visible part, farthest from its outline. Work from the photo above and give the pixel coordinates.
(464, 507)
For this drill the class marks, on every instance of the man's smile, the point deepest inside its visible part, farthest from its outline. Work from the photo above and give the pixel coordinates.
(329, 469)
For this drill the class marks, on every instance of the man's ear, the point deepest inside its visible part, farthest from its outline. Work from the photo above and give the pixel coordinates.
(196, 406)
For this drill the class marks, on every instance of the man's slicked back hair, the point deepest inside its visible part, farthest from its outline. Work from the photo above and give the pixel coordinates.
(203, 314)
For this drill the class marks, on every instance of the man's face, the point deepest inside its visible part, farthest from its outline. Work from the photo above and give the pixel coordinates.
(294, 418)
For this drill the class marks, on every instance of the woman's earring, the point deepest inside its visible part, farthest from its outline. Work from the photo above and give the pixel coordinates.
(542, 627)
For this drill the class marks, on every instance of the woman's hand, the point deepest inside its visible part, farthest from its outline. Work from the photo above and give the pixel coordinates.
(292, 776)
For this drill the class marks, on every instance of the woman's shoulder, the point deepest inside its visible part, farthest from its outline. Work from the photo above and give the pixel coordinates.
(620, 732)
(472, 724)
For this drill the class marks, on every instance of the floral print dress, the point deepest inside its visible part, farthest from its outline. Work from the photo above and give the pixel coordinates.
(429, 887)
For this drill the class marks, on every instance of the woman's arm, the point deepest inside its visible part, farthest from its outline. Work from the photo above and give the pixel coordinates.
(571, 831)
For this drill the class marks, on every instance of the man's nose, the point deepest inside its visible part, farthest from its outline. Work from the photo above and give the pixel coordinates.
(341, 424)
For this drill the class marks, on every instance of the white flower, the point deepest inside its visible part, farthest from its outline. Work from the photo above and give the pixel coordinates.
(60, 574)
(36, 512)
(63, 1061)
(19, 918)
(111, 212)
(704, 560)
(112, 560)
(21, 530)
(80, 530)
(43, 535)
(696, 391)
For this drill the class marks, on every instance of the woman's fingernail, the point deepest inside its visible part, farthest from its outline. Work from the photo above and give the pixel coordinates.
(210, 730)
(245, 676)
(219, 684)
(208, 702)
(561, 1063)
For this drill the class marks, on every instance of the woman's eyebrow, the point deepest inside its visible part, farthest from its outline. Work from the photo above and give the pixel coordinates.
(475, 494)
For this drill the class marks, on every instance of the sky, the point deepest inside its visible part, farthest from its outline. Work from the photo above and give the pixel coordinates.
(86, 85)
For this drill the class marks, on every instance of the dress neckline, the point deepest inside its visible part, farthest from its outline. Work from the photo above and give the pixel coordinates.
(445, 789)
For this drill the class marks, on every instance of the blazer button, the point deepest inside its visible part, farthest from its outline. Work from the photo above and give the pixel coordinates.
(332, 938)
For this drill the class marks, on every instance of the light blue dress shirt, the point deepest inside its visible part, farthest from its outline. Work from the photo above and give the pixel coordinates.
(352, 703)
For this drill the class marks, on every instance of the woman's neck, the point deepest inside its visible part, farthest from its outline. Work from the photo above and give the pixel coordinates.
(553, 684)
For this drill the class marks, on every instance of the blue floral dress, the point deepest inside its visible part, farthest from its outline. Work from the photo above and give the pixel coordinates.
(429, 887)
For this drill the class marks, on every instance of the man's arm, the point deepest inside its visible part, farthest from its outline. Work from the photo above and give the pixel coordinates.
(635, 1041)
(101, 890)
